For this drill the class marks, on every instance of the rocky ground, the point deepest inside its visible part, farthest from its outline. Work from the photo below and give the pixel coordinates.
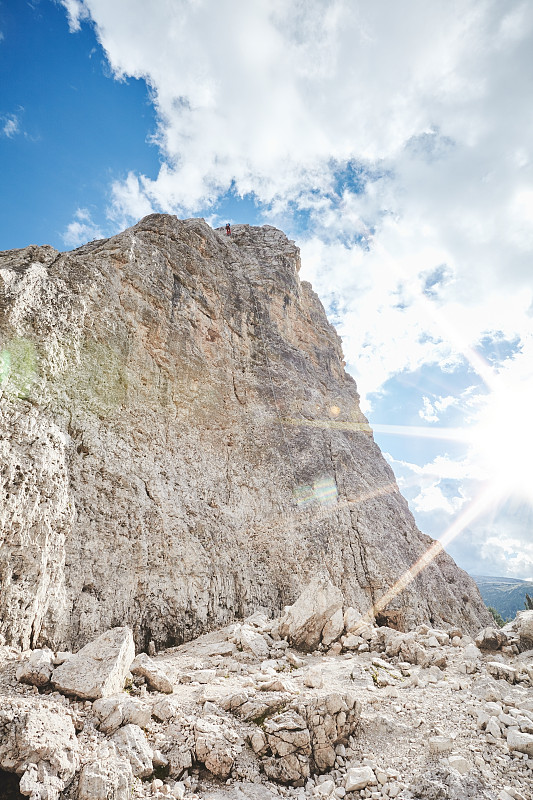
(240, 713)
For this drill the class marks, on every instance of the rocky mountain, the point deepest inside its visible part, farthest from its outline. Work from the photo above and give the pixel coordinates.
(181, 446)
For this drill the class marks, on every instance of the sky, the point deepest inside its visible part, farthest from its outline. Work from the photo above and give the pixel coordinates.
(392, 141)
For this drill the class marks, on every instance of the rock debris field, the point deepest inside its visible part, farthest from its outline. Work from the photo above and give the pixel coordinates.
(319, 703)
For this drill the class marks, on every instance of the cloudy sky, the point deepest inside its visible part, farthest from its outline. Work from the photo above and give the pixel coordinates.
(392, 140)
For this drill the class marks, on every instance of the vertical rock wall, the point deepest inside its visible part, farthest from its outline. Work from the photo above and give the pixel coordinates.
(180, 444)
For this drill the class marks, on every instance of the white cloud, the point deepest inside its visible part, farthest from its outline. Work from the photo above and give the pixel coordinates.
(82, 229)
(77, 12)
(10, 125)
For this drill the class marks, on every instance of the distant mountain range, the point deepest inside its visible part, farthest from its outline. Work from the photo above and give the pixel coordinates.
(506, 595)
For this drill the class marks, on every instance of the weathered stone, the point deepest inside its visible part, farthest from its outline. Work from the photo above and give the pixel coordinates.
(204, 676)
(440, 744)
(333, 628)
(120, 709)
(294, 660)
(249, 706)
(156, 678)
(258, 742)
(157, 353)
(314, 678)
(521, 742)
(278, 684)
(213, 748)
(493, 727)
(359, 778)
(501, 671)
(330, 718)
(37, 669)
(460, 763)
(491, 639)
(253, 642)
(352, 619)
(132, 744)
(165, 709)
(40, 739)
(303, 622)
(108, 778)
(524, 628)
(180, 758)
(99, 669)
(325, 789)
(351, 641)
(289, 741)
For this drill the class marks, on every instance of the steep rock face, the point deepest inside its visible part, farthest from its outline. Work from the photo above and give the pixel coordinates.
(180, 445)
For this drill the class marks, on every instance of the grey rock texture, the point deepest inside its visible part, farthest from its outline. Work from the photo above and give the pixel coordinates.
(99, 669)
(180, 445)
(39, 744)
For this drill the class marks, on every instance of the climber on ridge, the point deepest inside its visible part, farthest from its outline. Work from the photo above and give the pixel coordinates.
(228, 229)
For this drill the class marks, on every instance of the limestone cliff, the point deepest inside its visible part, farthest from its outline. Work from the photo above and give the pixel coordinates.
(180, 445)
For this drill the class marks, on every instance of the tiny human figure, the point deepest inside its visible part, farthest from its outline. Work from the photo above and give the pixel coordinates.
(228, 229)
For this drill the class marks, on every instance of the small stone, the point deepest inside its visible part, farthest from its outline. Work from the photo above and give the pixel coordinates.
(440, 744)
(313, 678)
(461, 764)
(155, 677)
(359, 778)
(520, 742)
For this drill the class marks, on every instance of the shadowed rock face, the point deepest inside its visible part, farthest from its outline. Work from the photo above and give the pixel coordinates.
(180, 445)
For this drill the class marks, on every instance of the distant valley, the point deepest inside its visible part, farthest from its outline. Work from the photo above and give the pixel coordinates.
(506, 595)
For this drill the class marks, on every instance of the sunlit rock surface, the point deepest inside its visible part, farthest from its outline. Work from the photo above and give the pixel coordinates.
(180, 445)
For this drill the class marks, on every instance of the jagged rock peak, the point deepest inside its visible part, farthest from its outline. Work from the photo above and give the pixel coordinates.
(181, 445)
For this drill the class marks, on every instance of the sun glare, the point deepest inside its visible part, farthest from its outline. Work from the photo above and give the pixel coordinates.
(502, 439)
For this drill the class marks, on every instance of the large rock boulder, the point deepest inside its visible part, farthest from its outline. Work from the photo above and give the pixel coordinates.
(121, 709)
(524, 629)
(491, 639)
(132, 744)
(99, 669)
(108, 777)
(302, 739)
(38, 742)
(520, 742)
(37, 669)
(289, 741)
(214, 746)
(155, 677)
(303, 622)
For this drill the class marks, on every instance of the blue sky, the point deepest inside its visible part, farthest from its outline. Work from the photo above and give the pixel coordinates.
(392, 141)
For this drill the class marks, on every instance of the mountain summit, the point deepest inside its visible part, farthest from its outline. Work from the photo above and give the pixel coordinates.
(181, 446)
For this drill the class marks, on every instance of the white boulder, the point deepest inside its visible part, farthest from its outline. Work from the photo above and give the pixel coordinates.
(524, 628)
(121, 709)
(253, 642)
(132, 744)
(359, 778)
(156, 678)
(38, 743)
(520, 742)
(99, 669)
(213, 749)
(108, 778)
(333, 628)
(38, 669)
(303, 622)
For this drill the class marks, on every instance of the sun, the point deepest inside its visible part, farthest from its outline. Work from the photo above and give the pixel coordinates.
(501, 440)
